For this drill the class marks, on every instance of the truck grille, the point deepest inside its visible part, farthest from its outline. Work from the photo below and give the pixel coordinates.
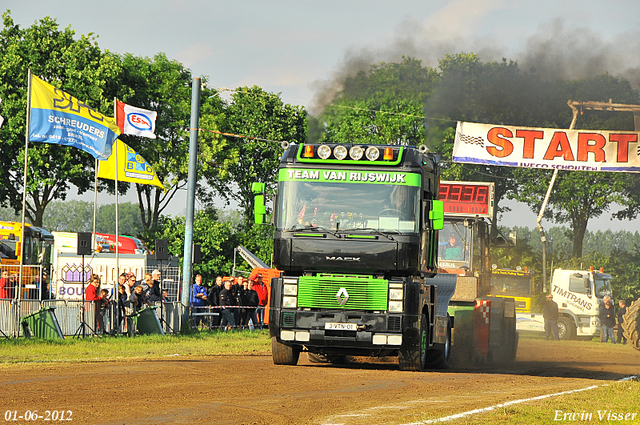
(329, 291)
(394, 324)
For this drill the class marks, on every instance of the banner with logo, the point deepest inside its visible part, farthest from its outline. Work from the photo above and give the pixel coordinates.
(132, 167)
(136, 121)
(547, 148)
(59, 118)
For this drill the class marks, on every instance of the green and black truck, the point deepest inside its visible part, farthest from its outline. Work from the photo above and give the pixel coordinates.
(356, 239)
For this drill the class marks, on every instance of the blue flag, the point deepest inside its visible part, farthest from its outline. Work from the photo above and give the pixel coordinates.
(59, 118)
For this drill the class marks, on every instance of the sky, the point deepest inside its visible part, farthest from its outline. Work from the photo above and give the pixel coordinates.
(303, 49)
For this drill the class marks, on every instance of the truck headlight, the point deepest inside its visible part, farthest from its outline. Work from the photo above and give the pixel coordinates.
(291, 290)
(395, 306)
(395, 294)
(289, 302)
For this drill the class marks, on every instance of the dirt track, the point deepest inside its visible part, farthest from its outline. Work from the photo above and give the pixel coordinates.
(251, 390)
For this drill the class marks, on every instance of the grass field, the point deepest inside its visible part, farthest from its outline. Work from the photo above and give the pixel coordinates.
(204, 343)
(617, 402)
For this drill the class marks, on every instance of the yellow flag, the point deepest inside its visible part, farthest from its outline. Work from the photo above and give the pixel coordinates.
(59, 118)
(131, 167)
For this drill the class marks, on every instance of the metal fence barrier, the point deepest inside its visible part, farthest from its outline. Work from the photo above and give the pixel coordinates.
(213, 317)
(96, 321)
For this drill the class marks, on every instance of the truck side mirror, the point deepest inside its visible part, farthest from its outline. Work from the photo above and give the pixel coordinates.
(433, 213)
(259, 208)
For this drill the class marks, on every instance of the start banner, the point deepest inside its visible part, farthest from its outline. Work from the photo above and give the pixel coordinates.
(548, 148)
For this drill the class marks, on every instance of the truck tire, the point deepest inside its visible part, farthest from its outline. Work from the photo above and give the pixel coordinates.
(631, 324)
(566, 330)
(438, 357)
(413, 352)
(284, 354)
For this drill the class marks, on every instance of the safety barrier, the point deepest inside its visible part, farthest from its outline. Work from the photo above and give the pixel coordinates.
(30, 286)
(213, 317)
(69, 314)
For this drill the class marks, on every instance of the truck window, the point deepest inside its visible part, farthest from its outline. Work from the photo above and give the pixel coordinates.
(513, 285)
(577, 284)
(603, 287)
(453, 243)
(8, 249)
(348, 206)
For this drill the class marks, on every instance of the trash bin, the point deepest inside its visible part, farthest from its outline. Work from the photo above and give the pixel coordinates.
(42, 324)
(147, 321)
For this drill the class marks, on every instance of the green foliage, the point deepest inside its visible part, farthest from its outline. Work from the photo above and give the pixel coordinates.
(383, 105)
(217, 241)
(255, 113)
(129, 222)
(164, 86)
(77, 66)
(69, 216)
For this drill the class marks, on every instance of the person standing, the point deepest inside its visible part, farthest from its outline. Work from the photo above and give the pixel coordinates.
(198, 298)
(227, 299)
(607, 320)
(251, 300)
(550, 314)
(154, 294)
(5, 289)
(214, 299)
(263, 297)
(92, 298)
(622, 310)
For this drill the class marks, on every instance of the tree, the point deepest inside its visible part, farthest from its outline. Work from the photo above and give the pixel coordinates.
(129, 219)
(69, 216)
(78, 67)
(217, 241)
(164, 86)
(383, 105)
(580, 196)
(266, 121)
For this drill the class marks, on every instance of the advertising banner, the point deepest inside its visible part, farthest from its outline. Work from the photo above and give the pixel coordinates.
(59, 118)
(547, 148)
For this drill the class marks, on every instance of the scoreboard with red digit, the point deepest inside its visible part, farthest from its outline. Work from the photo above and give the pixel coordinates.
(467, 198)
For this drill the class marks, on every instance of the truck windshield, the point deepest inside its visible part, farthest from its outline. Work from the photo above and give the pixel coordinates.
(347, 206)
(454, 243)
(510, 285)
(603, 286)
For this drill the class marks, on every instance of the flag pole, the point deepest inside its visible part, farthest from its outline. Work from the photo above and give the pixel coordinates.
(24, 181)
(95, 206)
(115, 148)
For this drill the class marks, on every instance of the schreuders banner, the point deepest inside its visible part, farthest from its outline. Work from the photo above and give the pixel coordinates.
(550, 148)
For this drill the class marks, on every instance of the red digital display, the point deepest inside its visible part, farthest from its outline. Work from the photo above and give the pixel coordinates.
(467, 198)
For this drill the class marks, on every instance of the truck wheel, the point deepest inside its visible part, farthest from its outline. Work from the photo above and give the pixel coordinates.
(565, 329)
(284, 354)
(413, 353)
(631, 325)
(438, 357)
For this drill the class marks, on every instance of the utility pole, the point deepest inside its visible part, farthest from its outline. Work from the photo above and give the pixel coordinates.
(187, 261)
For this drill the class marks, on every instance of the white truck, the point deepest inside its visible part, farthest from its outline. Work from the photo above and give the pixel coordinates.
(578, 294)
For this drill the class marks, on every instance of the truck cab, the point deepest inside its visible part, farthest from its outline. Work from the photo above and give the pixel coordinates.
(578, 294)
(356, 234)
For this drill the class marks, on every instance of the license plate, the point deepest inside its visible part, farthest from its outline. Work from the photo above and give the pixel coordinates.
(341, 326)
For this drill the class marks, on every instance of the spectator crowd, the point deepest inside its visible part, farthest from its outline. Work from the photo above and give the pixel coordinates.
(239, 302)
